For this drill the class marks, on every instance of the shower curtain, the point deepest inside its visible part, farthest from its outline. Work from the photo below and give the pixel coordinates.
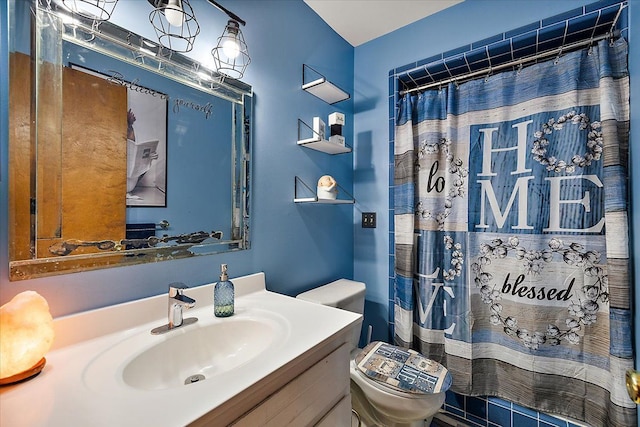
(511, 234)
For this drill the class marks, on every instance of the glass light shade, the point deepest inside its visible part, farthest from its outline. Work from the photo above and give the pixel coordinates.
(99, 10)
(26, 333)
(231, 55)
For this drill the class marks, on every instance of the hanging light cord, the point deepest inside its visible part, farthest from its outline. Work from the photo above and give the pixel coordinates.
(228, 12)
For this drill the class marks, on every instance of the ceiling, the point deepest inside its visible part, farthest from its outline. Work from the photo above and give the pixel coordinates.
(359, 21)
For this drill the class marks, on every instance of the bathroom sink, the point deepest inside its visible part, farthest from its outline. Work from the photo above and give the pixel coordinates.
(198, 353)
(188, 354)
(109, 370)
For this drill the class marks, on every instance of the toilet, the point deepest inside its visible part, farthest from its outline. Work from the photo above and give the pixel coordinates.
(390, 386)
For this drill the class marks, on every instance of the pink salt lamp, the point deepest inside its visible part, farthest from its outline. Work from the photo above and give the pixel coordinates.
(26, 335)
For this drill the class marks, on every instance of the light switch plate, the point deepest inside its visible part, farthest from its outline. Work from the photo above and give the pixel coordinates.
(368, 220)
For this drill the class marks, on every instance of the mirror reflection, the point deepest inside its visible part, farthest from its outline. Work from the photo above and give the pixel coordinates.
(121, 151)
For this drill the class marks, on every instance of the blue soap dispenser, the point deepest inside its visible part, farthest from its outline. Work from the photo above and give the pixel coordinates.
(223, 294)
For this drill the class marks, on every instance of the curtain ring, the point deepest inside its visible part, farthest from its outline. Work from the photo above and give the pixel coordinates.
(486, 79)
(519, 70)
(555, 62)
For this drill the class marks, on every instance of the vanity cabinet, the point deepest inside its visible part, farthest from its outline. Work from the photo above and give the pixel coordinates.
(313, 389)
(312, 398)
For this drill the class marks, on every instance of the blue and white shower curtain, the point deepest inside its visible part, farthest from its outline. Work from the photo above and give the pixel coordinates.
(511, 234)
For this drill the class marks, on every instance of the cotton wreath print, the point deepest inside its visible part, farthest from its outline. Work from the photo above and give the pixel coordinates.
(455, 171)
(581, 310)
(595, 143)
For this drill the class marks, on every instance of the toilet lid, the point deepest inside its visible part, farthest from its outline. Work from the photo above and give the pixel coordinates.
(402, 369)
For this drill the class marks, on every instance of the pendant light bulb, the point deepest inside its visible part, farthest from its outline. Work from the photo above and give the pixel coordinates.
(174, 13)
(231, 48)
(230, 43)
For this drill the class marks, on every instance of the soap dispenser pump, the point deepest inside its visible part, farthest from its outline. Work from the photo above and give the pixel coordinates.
(223, 294)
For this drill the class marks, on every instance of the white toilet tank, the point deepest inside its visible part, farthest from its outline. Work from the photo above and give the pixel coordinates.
(344, 294)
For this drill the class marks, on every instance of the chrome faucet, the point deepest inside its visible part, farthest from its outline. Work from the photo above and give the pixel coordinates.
(178, 303)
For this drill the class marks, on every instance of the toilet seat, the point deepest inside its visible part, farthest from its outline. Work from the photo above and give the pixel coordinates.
(401, 371)
(361, 378)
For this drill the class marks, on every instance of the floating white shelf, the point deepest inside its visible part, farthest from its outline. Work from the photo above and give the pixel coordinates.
(316, 140)
(321, 87)
(312, 198)
(326, 146)
(324, 201)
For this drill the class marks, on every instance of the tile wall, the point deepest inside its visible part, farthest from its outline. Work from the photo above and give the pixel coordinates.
(495, 412)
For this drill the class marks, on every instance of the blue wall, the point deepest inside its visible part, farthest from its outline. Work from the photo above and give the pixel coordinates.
(297, 246)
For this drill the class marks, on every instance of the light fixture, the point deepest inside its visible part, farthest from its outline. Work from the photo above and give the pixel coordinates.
(175, 24)
(26, 335)
(98, 10)
(231, 55)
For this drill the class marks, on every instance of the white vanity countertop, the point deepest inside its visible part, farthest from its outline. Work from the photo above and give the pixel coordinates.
(61, 396)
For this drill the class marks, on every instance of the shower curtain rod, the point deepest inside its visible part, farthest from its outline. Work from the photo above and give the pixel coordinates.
(520, 62)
